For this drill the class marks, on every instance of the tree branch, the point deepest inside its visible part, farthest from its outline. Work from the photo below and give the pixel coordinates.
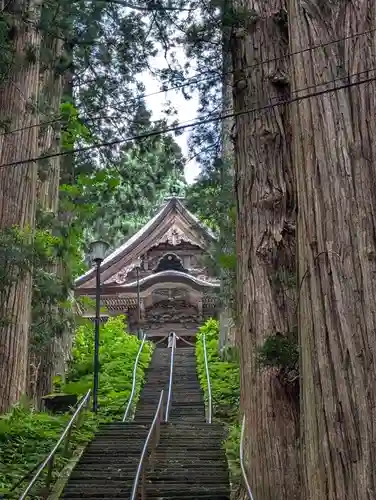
(152, 6)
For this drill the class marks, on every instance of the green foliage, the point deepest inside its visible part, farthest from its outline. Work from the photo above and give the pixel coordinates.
(23, 251)
(232, 447)
(57, 249)
(212, 198)
(26, 436)
(225, 388)
(117, 353)
(278, 351)
(73, 129)
(224, 375)
(6, 51)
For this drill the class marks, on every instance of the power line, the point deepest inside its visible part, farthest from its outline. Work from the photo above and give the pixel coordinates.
(197, 123)
(182, 85)
(111, 118)
(255, 65)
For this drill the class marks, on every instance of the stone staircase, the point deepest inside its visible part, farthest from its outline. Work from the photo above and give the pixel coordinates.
(187, 397)
(189, 461)
(108, 466)
(156, 378)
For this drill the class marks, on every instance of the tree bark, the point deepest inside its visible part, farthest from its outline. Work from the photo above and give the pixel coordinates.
(18, 190)
(264, 185)
(47, 358)
(227, 333)
(335, 157)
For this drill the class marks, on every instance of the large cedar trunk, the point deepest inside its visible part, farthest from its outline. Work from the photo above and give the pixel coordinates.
(335, 156)
(18, 192)
(44, 357)
(227, 333)
(265, 238)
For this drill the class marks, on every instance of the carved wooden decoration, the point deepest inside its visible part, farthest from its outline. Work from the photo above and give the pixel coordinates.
(170, 261)
(175, 236)
(122, 276)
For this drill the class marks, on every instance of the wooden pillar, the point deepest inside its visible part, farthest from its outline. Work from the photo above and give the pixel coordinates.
(200, 309)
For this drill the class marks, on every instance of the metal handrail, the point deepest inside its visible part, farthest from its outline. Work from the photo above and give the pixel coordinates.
(50, 459)
(208, 380)
(241, 452)
(134, 379)
(168, 404)
(155, 426)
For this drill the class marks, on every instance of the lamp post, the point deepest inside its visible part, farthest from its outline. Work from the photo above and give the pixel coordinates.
(138, 267)
(98, 250)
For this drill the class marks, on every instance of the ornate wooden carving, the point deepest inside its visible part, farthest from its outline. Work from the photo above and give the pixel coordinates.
(175, 236)
(171, 312)
(170, 294)
(170, 261)
(121, 277)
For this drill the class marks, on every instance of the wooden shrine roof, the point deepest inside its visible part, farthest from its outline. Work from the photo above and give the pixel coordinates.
(172, 224)
(169, 276)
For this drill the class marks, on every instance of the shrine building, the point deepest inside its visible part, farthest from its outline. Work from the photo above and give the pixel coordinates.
(163, 269)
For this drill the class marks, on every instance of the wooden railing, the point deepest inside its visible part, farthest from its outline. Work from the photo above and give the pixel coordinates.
(151, 442)
(161, 340)
(244, 473)
(49, 461)
(209, 416)
(129, 405)
(186, 342)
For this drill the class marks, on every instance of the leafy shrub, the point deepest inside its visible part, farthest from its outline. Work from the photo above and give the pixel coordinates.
(278, 351)
(232, 445)
(117, 353)
(26, 436)
(225, 388)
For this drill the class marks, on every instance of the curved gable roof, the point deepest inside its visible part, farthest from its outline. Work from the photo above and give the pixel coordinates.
(148, 235)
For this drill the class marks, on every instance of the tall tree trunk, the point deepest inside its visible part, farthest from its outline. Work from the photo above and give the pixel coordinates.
(264, 185)
(18, 190)
(47, 359)
(335, 156)
(227, 332)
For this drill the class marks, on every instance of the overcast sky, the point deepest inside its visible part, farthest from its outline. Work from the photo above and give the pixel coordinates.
(186, 110)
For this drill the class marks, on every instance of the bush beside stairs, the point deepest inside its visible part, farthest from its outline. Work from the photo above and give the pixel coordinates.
(189, 461)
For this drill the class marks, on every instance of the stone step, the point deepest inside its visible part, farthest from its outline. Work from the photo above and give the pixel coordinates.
(194, 476)
(179, 455)
(189, 447)
(95, 468)
(180, 495)
(189, 463)
(95, 492)
(165, 490)
(119, 461)
(114, 447)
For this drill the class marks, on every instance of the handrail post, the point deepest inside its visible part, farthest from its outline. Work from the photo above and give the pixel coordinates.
(66, 443)
(171, 377)
(143, 492)
(134, 379)
(158, 428)
(241, 457)
(208, 380)
(49, 472)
